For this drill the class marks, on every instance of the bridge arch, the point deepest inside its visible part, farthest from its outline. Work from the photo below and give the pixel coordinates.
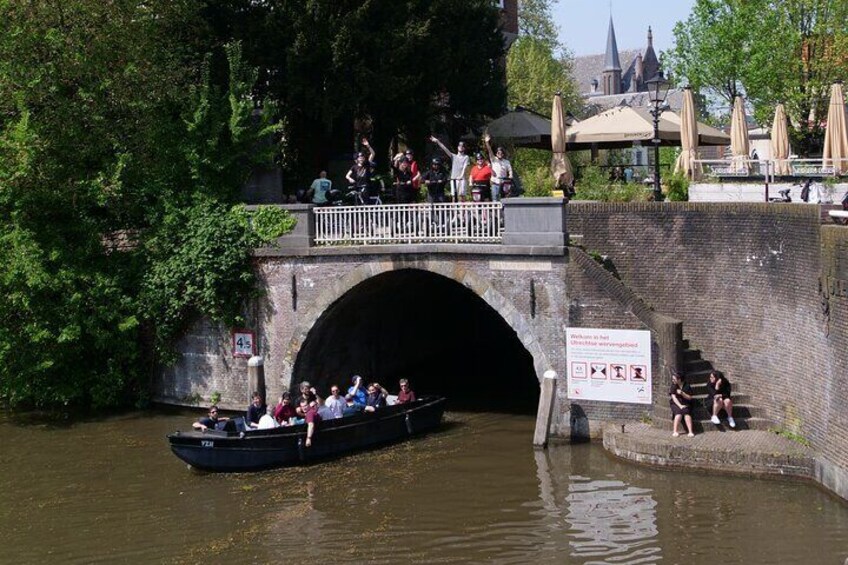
(466, 287)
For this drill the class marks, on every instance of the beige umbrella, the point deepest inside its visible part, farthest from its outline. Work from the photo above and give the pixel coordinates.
(836, 134)
(688, 138)
(622, 126)
(560, 167)
(780, 142)
(739, 137)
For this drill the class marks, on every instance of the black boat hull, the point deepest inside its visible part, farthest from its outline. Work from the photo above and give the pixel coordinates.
(257, 450)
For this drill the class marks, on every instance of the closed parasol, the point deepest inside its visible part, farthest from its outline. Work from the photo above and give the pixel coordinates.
(560, 167)
(688, 138)
(780, 142)
(835, 152)
(739, 137)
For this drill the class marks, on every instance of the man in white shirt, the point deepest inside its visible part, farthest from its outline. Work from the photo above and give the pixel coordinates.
(459, 168)
(501, 169)
(335, 403)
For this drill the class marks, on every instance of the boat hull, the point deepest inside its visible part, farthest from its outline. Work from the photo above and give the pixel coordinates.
(256, 450)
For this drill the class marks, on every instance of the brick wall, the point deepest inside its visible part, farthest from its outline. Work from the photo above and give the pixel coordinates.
(744, 279)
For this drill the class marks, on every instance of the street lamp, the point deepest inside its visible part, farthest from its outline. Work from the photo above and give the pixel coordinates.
(657, 91)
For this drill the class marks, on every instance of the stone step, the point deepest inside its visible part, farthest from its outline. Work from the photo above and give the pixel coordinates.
(691, 354)
(704, 426)
(686, 344)
(700, 412)
(696, 366)
(700, 388)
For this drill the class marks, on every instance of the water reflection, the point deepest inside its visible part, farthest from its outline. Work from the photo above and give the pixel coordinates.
(477, 492)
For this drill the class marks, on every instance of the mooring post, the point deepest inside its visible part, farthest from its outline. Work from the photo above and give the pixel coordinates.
(546, 410)
(256, 376)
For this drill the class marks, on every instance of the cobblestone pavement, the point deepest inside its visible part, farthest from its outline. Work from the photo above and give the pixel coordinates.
(738, 452)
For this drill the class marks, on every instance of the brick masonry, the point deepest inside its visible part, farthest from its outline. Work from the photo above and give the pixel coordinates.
(745, 281)
(761, 289)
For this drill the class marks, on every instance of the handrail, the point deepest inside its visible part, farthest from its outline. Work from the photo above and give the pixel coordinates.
(463, 222)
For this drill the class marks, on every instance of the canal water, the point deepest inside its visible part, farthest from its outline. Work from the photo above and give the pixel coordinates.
(109, 491)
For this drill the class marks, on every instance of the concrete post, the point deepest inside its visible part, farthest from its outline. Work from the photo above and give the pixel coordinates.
(256, 376)
(546, 410)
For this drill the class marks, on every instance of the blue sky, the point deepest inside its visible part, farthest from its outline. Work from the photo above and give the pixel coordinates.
(583, 23)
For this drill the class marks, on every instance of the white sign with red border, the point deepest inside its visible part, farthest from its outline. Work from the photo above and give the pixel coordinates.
(609, 365)
(243, 343)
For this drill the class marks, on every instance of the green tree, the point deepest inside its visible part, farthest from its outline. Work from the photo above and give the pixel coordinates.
(534, 75)
(535, 20)
(96, 162)
(772, 51)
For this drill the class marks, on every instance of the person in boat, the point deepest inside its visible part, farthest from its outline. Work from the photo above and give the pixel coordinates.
(267, 421)
(376, 397)
(718, 398)
(335, 403)
(256, 410)
(285, 411)
(311, 416)
(357, 390)
(680, 399)
(209, 422)
(406, 393)
(308, 392)
(352, 407)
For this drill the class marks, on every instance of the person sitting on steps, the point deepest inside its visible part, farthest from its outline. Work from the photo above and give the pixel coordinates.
(718, 397)
(680, 398)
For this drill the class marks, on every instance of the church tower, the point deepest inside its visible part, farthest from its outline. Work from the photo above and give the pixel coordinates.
(650, 63)
(612, 66)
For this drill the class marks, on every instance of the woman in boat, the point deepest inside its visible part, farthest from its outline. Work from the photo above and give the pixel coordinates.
(284, 411)
(718, 395)
(680, 399)
(311, 416)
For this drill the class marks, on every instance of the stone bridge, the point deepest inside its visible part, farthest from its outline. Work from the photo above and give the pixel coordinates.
(758, 290)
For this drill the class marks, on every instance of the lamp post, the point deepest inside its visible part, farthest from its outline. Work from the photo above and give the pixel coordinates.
(657, 91)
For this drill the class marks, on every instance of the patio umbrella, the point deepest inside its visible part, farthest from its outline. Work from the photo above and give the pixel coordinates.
(739, 137)
(780, 142)
(560, 167)
(836, 134)
(521, 128)
(621, 126)
(688, 138)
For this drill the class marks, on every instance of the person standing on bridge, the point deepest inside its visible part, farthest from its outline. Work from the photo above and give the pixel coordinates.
(459, 168)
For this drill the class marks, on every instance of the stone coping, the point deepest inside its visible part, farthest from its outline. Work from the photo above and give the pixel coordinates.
(744, 452)
(415, 248)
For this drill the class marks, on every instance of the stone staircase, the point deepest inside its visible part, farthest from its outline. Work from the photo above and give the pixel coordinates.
(697, 371)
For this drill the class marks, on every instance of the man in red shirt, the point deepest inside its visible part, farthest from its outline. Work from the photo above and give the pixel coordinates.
(481, 176)
(406, 393)
(310, 414)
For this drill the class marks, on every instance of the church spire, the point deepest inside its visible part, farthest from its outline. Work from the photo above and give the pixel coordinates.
(611, 62)
(650, 38)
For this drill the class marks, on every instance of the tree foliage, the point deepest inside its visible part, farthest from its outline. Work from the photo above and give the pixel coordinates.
(127, 129)
(534, 75)
(103, 149)
(535, 20)
(772, 51)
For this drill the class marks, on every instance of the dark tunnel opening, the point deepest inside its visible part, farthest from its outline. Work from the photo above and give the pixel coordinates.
(429, 329)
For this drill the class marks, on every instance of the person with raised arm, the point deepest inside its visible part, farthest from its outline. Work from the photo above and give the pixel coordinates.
(459, 168)
(501, 170)
(360, 174)
(718, 398)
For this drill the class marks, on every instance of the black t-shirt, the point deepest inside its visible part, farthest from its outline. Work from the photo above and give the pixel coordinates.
(437, 180)
(362, 174)
(210, 423)
(403, 178)
(723, 389)
(685, 388)
(255, 412)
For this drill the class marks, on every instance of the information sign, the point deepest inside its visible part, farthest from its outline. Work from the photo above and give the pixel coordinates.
(609, 365)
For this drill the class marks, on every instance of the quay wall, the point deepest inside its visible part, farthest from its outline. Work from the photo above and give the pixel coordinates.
(761, 291)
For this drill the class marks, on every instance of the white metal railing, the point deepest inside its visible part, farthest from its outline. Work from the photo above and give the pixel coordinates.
(464, 222)
(770, 167)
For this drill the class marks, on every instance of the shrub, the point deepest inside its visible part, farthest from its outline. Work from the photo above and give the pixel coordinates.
(538, 182)
(677, 187)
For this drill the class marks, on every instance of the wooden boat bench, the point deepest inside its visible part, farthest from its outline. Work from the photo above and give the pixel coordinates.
(839, 216)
